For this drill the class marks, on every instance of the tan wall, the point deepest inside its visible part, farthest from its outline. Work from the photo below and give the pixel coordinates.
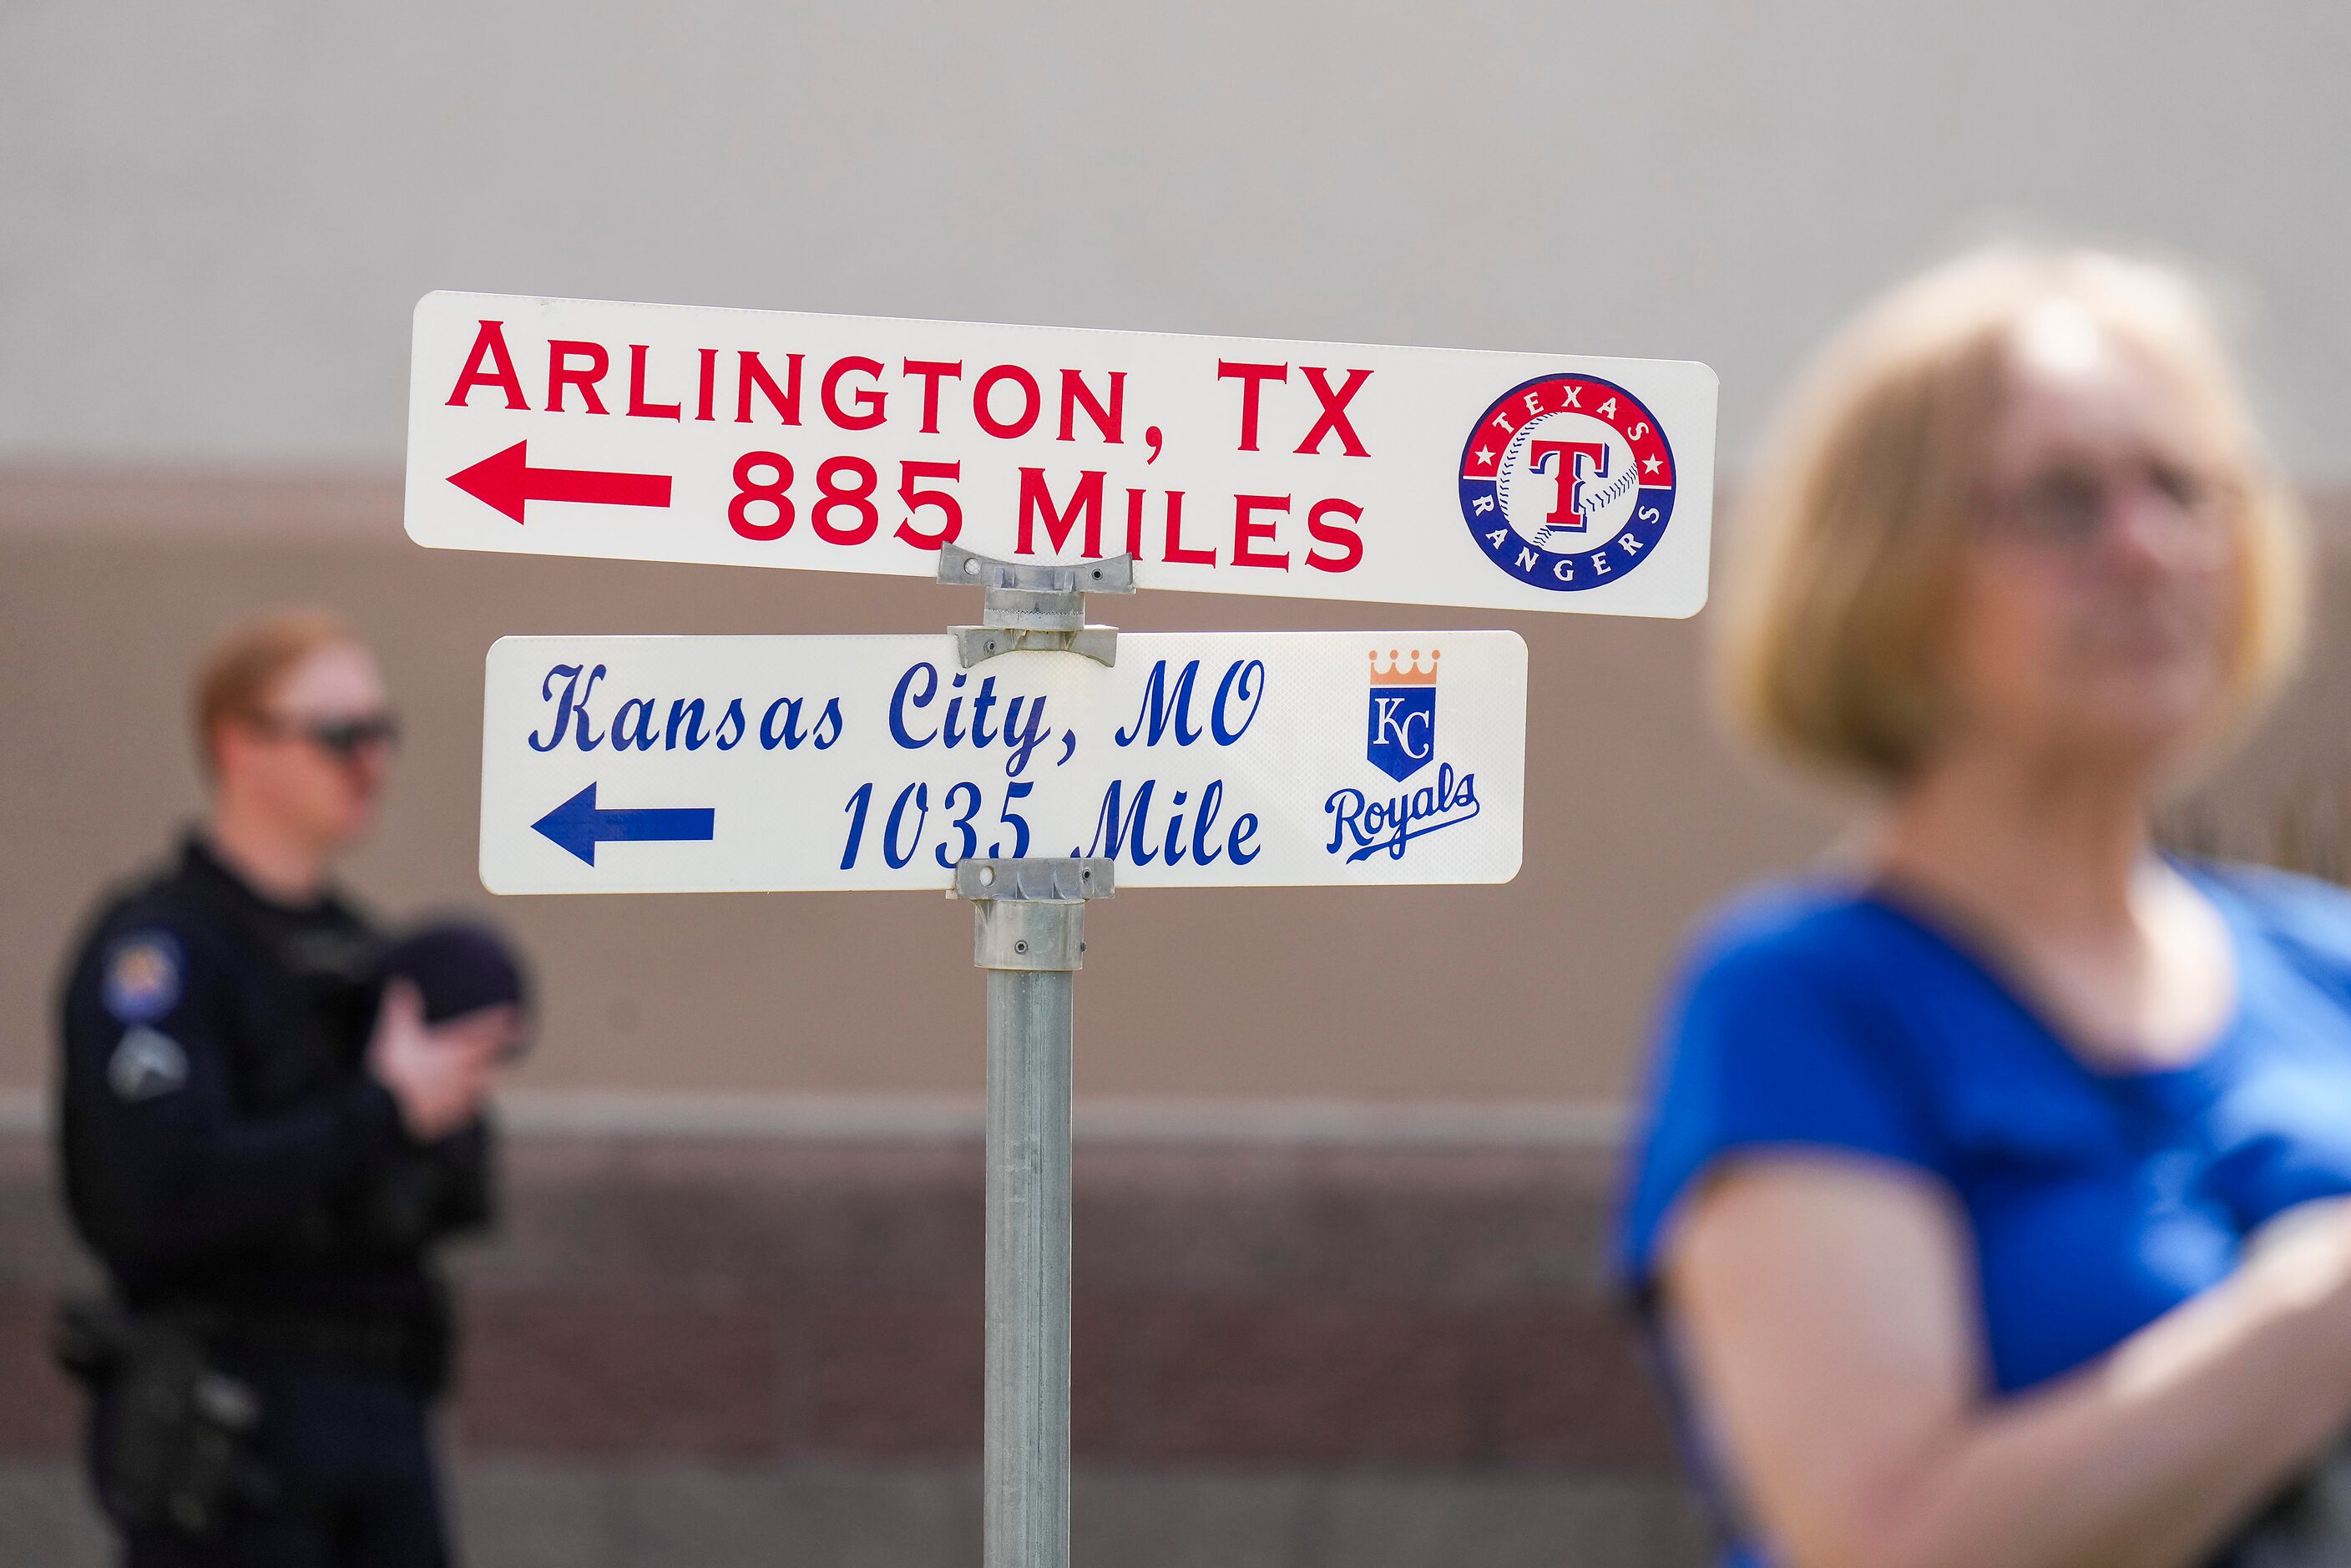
(1639, 817)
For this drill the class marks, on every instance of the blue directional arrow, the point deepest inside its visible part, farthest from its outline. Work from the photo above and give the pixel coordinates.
(579, 827)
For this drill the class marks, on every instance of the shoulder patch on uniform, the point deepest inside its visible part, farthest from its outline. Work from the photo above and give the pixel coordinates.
(143, 978)
(146, 1062)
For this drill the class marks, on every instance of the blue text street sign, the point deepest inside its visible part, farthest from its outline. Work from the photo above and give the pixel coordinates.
(1216, 759)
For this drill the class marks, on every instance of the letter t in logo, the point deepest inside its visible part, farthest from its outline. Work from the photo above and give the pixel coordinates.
(1562, 454)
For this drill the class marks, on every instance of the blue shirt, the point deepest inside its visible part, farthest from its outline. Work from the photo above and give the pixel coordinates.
(1817, 1017)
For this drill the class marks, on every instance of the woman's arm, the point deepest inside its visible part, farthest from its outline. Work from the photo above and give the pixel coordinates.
(1826, 1307)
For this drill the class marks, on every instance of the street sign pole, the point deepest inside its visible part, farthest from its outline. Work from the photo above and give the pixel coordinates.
(1030, 919)
(1028, 934)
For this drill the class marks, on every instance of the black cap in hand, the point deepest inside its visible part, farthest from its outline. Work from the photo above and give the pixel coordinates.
(458, 968)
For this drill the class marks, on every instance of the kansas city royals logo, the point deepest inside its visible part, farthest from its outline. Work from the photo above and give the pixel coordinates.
(1402, 741)
(1403, 714)
(1567, 483)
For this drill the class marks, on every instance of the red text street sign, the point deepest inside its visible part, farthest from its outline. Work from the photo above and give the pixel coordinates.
(1548, 482)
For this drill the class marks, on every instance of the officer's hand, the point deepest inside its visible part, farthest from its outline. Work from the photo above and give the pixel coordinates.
(438, 1076)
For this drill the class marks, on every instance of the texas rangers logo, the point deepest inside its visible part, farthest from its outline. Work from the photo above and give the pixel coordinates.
(1404, 716)
(1567, 483)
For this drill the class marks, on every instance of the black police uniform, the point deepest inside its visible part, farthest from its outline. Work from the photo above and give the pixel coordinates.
(242, 1177)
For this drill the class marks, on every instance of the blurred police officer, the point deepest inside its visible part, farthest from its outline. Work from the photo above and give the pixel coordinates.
(263, 1135)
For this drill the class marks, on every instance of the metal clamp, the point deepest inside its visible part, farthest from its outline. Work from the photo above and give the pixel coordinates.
(1029, 914)
(1035, 605)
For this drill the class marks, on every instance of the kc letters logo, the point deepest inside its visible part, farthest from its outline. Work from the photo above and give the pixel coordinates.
(1567, 482)
(1401, 741)
(1404, 716)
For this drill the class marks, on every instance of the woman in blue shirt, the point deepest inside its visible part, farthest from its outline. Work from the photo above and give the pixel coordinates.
(1957, 1210)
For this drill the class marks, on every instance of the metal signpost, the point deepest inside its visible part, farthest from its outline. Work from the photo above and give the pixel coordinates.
(1031, 762)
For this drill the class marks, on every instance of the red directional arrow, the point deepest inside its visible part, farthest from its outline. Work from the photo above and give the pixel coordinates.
(506, 481)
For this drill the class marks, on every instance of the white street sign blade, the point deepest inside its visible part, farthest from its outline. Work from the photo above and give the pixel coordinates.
(1228, 759)
(1526, 482)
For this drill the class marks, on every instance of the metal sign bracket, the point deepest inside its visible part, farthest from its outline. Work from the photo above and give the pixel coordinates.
(1029, 914)
(1035, 605)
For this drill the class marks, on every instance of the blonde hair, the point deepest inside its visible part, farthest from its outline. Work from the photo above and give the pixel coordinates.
(1855, 522)
(246, 663)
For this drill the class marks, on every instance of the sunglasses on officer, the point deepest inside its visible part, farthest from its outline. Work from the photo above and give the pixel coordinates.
(341, 738)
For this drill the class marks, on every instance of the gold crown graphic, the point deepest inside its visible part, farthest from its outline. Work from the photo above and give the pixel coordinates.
(1397, 675)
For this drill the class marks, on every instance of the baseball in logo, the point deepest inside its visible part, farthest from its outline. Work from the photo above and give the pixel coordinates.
(1567, 482)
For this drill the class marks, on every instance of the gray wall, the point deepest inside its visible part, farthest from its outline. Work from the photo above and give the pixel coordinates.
(213, 219)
